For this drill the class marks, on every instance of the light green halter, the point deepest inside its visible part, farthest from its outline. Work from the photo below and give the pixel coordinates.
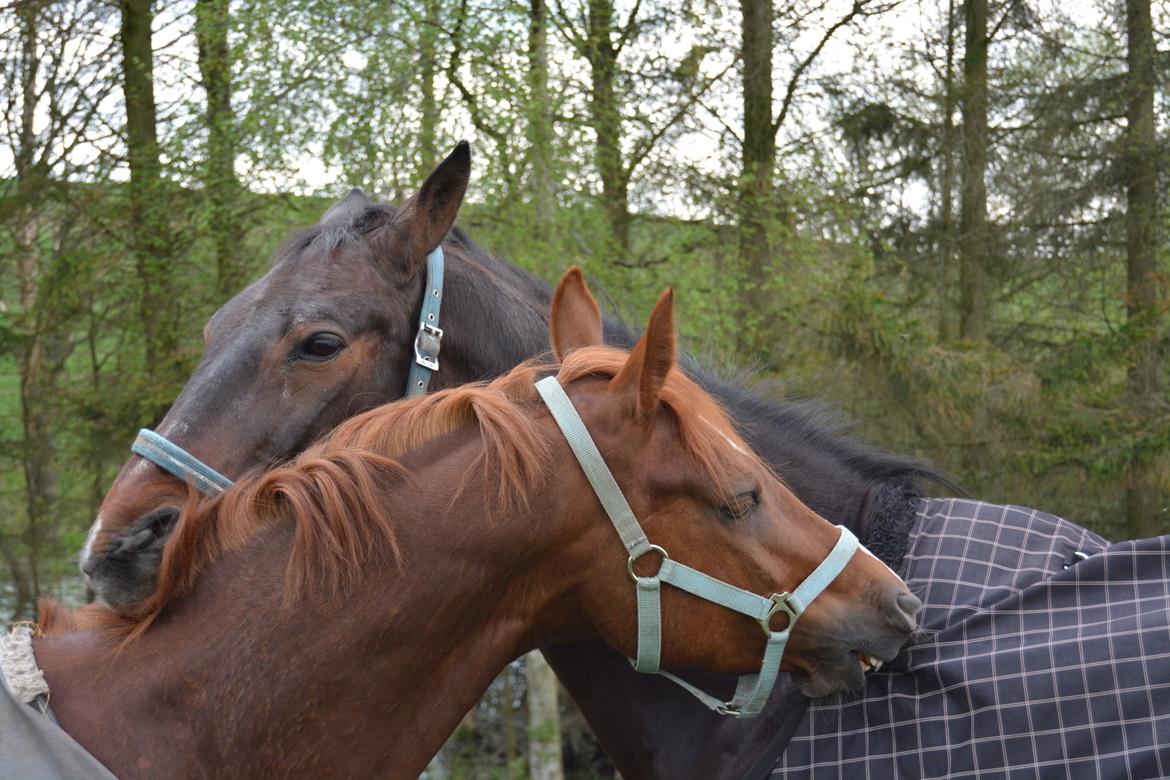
(753, 690)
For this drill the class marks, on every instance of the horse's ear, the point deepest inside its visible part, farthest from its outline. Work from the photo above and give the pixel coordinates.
(347, 209)
(651, 359)
(422, 222)
(575, 320)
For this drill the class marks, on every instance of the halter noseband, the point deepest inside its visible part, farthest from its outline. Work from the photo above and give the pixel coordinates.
(751, 693)
(177, 461)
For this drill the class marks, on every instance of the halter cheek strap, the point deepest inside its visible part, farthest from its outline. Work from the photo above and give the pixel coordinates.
(429, 338)
(752, 691)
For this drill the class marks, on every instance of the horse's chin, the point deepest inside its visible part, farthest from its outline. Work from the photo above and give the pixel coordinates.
(122, 585)
(837, 675)
(125, 572)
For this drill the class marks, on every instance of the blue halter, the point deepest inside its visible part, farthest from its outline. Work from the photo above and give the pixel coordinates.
(427, 342)
(751, 694)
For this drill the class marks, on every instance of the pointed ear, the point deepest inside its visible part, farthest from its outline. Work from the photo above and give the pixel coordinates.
(346, 210)
(575, 320)
(651, 359)
(421, 223)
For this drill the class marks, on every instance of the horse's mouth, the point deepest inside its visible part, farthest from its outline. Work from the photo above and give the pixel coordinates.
(868, 662)
(844, 673)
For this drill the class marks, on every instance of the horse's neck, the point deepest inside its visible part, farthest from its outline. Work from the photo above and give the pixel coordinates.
(226, 683)
(495, 318)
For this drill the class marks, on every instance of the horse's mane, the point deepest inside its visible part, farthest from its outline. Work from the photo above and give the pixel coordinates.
(333, 494)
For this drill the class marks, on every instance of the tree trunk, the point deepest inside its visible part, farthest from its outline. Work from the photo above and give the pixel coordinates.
(1146, 512)
(759, 154)
(946, 243)
(428, 64)
(542, 186)
(42, 362)
(157, 307)
(605, 116)
(43, 353)
(509, 717)
(974, 244)
(544, 720)
(220, 186)
(38, 451)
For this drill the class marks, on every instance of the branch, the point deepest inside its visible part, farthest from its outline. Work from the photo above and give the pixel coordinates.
(469, 97)
(628, 29)
(647, 144)
(794, 82)
(561, 21)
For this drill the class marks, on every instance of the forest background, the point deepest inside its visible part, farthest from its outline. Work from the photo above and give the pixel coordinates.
(943, 218)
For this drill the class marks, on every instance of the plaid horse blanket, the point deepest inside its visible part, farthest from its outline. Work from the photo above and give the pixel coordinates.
(1044, 653)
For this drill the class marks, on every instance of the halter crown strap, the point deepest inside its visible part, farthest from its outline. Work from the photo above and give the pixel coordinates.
(176, 460)
(752, 690)
(429, 338)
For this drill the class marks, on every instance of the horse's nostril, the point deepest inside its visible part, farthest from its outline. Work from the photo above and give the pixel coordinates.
(910, 604)
(89, 565)
(162, 520)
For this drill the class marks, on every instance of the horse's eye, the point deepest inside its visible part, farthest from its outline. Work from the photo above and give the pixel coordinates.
(320, 347)
(738, 507)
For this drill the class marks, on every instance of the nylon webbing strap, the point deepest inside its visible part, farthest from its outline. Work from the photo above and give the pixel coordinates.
(826, 572)
(699, 584)
(429, 338)
(604, 485)
(752, 691)
(176, 460)
(649, 590)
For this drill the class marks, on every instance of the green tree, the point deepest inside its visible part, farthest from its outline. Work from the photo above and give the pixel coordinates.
(220, 185)
(1147, 508)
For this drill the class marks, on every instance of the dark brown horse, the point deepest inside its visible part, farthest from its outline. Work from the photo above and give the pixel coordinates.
(328, 332)
(338, 616)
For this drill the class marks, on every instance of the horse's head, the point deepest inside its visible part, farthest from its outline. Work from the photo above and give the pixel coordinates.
(712, 504)
(328, 332)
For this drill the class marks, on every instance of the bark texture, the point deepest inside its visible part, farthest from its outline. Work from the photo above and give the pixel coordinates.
(544, 722)
(974, 237)
(759, 152)
(157, 308)
(1146, 510)
(220, 186)
(605, 116)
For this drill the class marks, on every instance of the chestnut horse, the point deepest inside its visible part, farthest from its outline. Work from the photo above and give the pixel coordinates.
(337, 617)
(328, 333)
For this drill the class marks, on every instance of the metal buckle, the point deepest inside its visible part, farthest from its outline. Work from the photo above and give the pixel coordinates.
(779, 604)
(428, 357)
(630, 562)
(726, 709)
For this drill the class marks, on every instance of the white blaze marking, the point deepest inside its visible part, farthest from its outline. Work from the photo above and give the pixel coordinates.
(93, 532)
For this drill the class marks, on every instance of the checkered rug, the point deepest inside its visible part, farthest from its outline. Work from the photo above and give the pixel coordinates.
(1044, 653)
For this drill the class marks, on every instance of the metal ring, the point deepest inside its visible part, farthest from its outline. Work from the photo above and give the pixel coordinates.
(779, 604)
(630, 562)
